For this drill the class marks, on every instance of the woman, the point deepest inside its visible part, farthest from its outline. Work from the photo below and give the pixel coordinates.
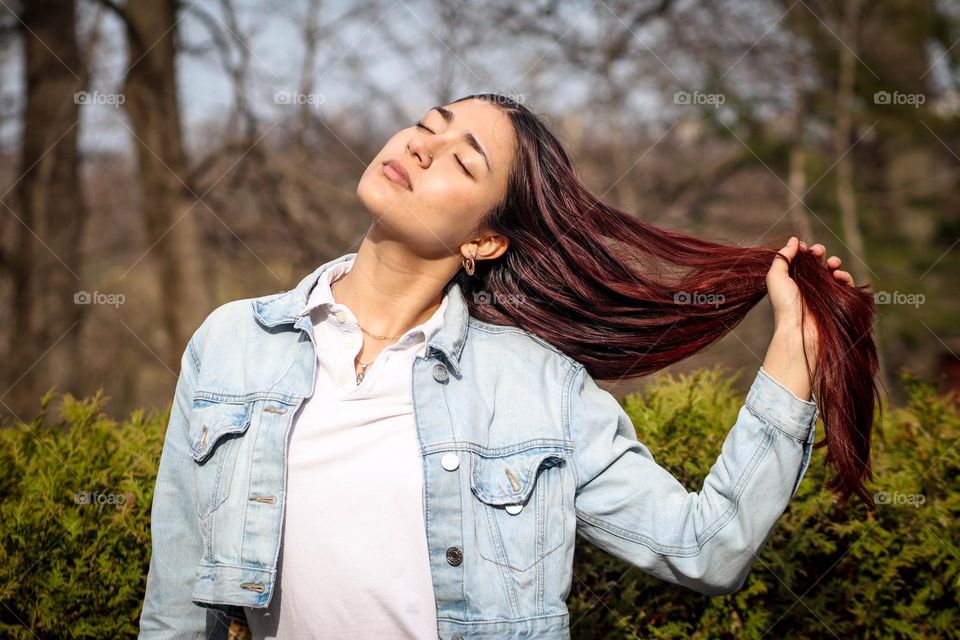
(407, 443)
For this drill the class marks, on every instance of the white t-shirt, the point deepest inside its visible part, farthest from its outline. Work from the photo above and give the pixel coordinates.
(353, 560)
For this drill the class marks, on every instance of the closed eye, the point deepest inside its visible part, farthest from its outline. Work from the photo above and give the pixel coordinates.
(463, 167)
(420, 125)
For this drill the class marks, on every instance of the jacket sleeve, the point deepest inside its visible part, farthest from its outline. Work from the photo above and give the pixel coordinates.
(634, 509)
(168, 611)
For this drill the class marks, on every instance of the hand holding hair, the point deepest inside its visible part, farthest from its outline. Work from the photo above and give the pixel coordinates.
(796, 340)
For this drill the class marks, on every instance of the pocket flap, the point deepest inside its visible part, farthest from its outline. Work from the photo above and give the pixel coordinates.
(210, 421)
(509, 479)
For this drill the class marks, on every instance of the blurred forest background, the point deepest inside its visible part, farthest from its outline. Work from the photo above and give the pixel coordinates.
(159, 158)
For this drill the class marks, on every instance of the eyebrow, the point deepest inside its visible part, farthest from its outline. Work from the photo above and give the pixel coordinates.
(471, 140)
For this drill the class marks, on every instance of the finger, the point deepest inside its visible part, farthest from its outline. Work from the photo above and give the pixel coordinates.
(844, 277)
(781, 268)
(833, 262)
(818, 250)
(790, 249)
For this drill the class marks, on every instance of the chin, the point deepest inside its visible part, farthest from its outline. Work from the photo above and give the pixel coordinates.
(378, 197)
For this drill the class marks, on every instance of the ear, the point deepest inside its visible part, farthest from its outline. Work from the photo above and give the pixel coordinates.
(488, 247)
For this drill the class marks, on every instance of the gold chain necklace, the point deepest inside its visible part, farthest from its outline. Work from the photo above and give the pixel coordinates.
(364, 365)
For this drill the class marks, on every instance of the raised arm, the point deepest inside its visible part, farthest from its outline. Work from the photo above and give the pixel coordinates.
(634, 509)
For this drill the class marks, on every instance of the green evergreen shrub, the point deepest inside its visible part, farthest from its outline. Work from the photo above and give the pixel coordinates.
(76, 489)
(75, 520)
(826, 571)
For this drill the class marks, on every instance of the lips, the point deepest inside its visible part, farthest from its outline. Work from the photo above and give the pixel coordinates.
(396, 173)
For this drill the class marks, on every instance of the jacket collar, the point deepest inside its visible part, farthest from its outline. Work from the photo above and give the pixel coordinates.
(287, 307)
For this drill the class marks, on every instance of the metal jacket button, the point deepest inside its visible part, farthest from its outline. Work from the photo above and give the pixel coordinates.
(454, 556)
(450, 461)
(514, 509)
(440, 373)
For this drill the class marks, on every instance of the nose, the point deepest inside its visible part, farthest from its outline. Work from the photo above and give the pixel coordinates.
(420, 149)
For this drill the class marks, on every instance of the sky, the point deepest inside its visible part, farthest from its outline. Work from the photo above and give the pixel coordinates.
(274, 42)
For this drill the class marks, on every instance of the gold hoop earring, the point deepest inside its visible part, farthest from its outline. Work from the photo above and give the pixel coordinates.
(468, 264)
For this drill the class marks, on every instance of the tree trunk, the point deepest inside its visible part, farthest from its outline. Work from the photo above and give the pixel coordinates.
(846, 189)
(797, 178)
(44, 338)
(170, 212)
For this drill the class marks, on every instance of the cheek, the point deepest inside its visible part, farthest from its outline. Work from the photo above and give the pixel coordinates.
(451, 203)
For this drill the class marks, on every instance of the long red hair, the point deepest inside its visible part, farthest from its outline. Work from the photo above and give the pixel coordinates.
(627, 298)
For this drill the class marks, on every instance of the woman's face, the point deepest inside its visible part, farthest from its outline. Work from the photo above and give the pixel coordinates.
(457, 162)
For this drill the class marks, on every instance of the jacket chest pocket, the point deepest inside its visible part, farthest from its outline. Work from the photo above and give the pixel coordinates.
(215, 429)
(518, 506)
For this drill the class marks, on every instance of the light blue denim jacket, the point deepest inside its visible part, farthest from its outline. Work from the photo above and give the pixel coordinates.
(544, 454)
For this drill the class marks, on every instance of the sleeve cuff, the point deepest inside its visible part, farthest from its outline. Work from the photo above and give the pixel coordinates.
(781, 407)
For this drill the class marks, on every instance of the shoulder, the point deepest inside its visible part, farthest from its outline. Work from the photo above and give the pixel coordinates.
(230, 314)
(518, 344)
(237, 310)
(228, 322)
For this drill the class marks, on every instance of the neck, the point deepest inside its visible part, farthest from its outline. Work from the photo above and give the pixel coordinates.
(391, 290)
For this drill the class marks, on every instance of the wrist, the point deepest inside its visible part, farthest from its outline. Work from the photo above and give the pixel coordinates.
(786, 360)
(792, 337)
(787, 330)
